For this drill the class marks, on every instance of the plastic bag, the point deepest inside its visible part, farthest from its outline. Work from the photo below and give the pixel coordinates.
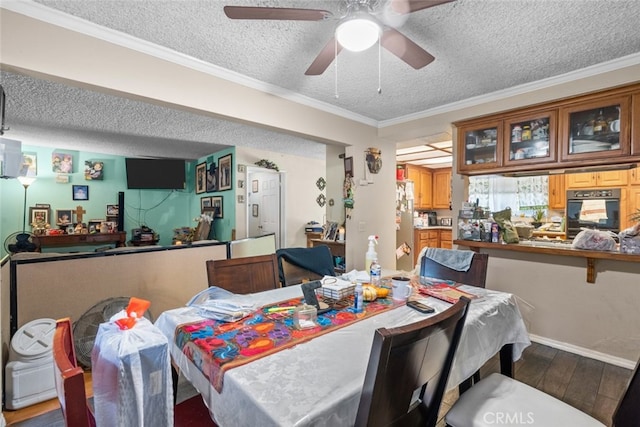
(630, 240)
(220, 304)
(503, 219)
(594, 240)
(131, 371)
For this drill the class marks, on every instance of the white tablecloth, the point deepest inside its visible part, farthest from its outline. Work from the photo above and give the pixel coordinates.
(319, 382)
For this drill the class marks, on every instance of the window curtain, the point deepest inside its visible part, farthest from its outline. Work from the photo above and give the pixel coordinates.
(522, 195)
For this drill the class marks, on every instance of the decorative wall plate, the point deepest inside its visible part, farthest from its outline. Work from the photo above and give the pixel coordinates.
(321, 183)
(321, 200)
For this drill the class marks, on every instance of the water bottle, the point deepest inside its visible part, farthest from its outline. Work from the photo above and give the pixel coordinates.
(358, 299)
(375, 273)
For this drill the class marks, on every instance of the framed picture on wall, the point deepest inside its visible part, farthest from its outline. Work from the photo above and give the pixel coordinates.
(212, 178)
(39, 216)
(80, 192)
(224, 173)
(205, 202)
(348, 166)
(201, 178)
(216, 203)
(113, 210)
(64, 217)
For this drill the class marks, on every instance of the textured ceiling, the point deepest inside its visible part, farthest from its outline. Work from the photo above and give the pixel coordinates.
(480, 46)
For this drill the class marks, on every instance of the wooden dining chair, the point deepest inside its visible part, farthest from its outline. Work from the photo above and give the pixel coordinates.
(408, 370)
(475, 276)
(69, 378)
(244, 275)
(498, 395)
(298, 265)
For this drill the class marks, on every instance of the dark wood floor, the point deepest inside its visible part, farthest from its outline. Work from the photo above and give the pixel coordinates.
(593, 387)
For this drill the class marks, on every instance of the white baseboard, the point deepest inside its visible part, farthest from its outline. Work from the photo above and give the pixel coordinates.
(607, 358)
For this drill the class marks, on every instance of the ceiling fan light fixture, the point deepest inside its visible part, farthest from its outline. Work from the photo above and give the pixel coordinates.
(358, 33)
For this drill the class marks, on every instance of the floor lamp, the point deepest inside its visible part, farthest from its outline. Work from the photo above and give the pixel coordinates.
(22, 240)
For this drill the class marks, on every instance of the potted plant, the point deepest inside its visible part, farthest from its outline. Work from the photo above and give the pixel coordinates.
(537, 218)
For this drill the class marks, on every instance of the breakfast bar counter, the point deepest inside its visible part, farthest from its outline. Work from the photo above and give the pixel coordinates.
(553, 248)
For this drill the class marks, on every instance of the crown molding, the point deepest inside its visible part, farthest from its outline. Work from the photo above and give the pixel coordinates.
(591, 71)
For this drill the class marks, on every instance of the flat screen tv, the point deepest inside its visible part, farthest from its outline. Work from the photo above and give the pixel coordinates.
(155, 174)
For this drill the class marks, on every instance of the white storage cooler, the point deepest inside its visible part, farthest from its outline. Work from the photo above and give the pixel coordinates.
(29, 373)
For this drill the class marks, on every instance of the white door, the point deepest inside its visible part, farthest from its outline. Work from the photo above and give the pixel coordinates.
(264, 204)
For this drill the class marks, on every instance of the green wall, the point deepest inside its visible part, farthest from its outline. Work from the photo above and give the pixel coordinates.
(161, 210)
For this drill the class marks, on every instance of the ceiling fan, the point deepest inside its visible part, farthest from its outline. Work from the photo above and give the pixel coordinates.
(362, 18)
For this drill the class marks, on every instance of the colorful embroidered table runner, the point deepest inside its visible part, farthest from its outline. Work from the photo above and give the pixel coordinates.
(215, 347)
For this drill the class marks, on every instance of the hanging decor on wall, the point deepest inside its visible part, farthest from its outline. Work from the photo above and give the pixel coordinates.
(264, 163)
(374, 160)
(348, 190)
(321, 183)
(321, 200)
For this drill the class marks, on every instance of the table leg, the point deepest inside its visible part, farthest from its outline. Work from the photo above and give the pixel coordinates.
(506, 360)
(174, 378)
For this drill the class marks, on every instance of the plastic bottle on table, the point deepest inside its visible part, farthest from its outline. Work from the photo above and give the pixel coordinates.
(358, 299)
(371, 252)
(375, 272)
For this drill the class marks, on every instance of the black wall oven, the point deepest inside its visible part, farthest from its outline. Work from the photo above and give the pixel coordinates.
(597, 209)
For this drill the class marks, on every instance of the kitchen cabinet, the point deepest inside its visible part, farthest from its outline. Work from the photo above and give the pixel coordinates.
(422, 179)
(635, 124)
(597, 179)
(441, 188)
(557, 193)
(480, 145)
(429, 238)
(446, 240)
(597, 128)
(632, 206)
(634, 176)
(530, 138)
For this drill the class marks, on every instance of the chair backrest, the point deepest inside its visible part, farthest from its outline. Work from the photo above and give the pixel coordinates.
(475, 276)
(628, 412)
(406, 359)
(297, 265)
(252, 246)
(69, 378)
(244, 275)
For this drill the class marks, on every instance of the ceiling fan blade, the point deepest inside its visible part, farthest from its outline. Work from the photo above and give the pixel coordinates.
(277, 13)
(405, 49)
(408, 6)
(324, 58)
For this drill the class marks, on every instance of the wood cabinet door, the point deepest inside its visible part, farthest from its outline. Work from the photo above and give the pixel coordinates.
(634, 176)
(580, 141)
(426, 200)
(480, 145)
(635, 124)
(611, 178)
(581, 180)
(530, 138)
(442, 189)
(413, 174)
(446, 241)
(632, 207)
(557, 193)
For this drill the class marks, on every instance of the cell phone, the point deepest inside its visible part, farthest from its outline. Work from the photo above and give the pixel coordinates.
(422, 308)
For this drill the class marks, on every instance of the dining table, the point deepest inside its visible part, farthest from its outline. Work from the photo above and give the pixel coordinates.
(319, 382)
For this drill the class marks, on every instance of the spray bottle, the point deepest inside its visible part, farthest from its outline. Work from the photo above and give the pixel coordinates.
(371, 253)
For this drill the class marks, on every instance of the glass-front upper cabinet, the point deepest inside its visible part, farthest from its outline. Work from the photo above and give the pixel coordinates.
(531, 138)
(596, 129)
(480, 146)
